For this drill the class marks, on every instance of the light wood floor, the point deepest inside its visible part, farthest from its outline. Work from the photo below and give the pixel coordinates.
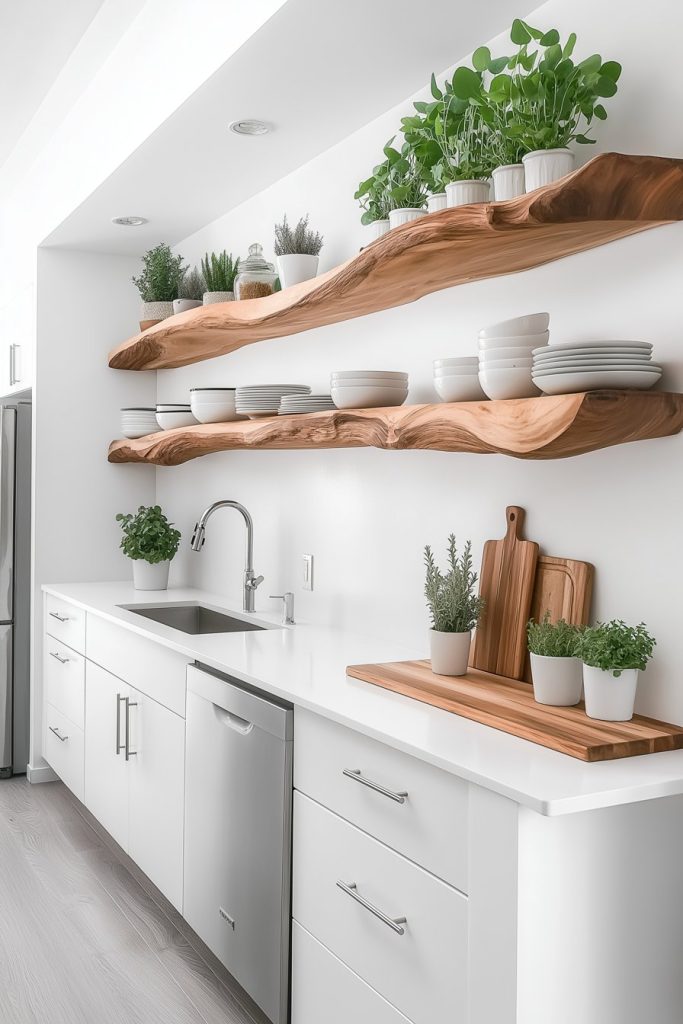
(81, 940)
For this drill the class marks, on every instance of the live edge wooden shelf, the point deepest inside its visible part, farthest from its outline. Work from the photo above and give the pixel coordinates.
(611, 196)
(528, 428)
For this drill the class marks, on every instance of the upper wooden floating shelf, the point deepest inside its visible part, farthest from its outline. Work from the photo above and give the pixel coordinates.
(527, 428)
(611, 196)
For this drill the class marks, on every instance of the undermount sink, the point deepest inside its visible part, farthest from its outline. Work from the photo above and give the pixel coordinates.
(193, 618)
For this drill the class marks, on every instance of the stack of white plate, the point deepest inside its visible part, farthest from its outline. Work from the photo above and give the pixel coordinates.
(506, 355)
(213, 405)
(292, 405)
(563, 369)
(368, 389)
(456, 379)
(137, 422)
(264, 399)
(170, 417)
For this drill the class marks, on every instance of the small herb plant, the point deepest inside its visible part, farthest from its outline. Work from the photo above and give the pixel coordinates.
(373, 195)
(454, 606)
(614, 646)
(407, 183)
(162, 273)
(298, 241)
(553, 639)
(192, 285)
(220, 271)
(148, 535)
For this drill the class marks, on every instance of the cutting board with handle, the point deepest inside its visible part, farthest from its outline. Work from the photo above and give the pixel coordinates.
(507, 578)
(563, 587)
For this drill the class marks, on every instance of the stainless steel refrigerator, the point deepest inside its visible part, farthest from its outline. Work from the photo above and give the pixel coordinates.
(15, 585)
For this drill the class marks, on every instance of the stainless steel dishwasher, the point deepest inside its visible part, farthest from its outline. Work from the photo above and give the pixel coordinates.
(238, 814)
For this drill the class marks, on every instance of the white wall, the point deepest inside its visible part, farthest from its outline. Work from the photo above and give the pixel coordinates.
(366, 514)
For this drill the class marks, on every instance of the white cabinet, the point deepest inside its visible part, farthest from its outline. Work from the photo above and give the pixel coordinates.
(106, 771)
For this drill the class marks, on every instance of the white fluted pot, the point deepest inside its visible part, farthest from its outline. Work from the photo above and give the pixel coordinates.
(544, 166)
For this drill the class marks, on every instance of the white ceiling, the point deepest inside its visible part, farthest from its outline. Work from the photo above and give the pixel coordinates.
(318, 70)
(36, 39)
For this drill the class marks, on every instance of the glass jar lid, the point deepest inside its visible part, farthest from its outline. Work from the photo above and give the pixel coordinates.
(255, 261)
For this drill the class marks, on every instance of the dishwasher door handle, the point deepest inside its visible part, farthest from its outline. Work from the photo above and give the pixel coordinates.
(240, 725)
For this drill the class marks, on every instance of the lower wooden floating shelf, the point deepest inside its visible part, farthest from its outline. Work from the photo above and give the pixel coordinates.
(509, 705)
(528, 428)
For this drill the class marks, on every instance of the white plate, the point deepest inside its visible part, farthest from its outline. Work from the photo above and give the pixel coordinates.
(303, 388)
(567, 383)
(598, 346)
(542, 371)
(624, 357)
(531, 323)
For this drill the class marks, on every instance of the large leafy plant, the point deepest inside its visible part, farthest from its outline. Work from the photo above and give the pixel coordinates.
(148, 535)
(454, 607)
(219, 271)
(614, 646)
(300, 240)
(553, 639)
(162, 273)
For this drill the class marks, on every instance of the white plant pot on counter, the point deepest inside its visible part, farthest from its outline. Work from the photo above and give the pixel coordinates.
(210, 298)
(183, 305)
(404, 216)
(462, 193)
(557, 681)
(156, 310)
(450, 652)
(544, 166)
(508, 181)
(610, 698)
(150, 577)
(294, 268)
(437, 201)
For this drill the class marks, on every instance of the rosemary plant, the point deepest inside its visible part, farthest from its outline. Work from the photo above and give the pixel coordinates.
(454, 607)
(298, 241)
(220, 271)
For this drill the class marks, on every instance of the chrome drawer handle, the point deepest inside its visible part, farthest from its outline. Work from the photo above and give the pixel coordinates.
(128, 753)
(53, 654)
(395, 923)
(354, 773)
(60, 618)
(56, 732)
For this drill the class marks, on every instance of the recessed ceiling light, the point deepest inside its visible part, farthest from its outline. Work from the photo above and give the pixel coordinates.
(249, 127)
(129, 222)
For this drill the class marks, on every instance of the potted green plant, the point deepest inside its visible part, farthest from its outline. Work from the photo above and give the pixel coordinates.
(190, 292)
(613, 654)
(406, 184)
(375, 201)
(158, 284)
(454, 608)
(150, 541)
(555, 667)
(297, 251)
(219, 271)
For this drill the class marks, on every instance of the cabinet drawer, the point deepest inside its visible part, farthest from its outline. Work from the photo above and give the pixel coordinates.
(420, 965)
(324, 989)
(65, 622)
(428, 824)
(64, 675)
(63, 749)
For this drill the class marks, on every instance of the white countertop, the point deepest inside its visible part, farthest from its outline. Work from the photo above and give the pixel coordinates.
(306, 665)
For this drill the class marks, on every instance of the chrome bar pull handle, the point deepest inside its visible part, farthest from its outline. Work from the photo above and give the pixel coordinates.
(60, 618)
(56, 732)
(395, 923)
(355, 774)
(63, 661)
(129, 704)
(119, 744)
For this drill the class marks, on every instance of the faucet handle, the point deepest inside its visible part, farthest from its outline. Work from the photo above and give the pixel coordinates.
(254, 581)
(288, 607)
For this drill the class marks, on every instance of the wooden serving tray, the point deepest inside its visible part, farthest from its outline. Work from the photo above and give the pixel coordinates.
(509, 705)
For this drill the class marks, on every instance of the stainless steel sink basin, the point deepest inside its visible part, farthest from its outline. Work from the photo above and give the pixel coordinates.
(193, 618)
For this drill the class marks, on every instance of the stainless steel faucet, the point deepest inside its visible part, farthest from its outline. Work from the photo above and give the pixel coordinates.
(251, 581)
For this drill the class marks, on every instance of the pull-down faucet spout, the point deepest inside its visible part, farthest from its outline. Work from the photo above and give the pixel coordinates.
(251, 581)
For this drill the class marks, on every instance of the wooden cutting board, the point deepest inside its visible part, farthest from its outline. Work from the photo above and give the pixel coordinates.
(508, 573)
(509, 705)
(564, 587)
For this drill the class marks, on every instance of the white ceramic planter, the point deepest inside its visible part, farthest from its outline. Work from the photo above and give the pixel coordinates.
(405, 216)
(183, 305)
(437, 201)
(462, 193)
(546, 165)
(210, 297)
(150, 577)
(450, 652)
(379, 228)
(296, 267)
(610, 698)
(156, 310)
(557, 681)
(508, 182)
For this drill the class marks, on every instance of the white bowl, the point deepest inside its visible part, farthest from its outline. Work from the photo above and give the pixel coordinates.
(367, 397)
(531, 323)
(514, 340)
(212, 394)
(375, 374)
(172, 420)
(505, 364)
(464, 388)
(211, 410)
(508, 383)
(460, 371)
(513, 352)
(379, 382)
(456, 361)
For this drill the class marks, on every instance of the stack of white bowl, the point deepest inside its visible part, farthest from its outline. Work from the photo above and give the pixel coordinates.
(506, 355)
(368, 389)
(213, 405)
(138, 422)
(456, 379)
(170, 417)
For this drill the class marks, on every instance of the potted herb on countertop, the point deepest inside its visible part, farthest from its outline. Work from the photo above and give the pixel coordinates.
(158, 283)
(454, 608)
(150, 541)
(297, 251)
(555, 665)
(190, 292)
(219, 271)
(613, 654)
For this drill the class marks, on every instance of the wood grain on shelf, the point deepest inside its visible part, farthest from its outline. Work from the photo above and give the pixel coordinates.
(611, 196)
(508, 705)
(563, 587)
(527, 428)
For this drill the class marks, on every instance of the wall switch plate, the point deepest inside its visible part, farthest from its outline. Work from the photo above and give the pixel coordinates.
(308, 572)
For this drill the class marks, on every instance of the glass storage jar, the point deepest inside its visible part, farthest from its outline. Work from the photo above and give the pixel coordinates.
(256, 276)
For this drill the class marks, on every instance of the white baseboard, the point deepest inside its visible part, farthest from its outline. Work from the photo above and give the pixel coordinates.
(40, 773)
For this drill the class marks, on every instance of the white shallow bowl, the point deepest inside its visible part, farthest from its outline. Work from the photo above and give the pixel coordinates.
(599, 368)
(367, 397)
(505, 364)
(172, 420)
(568, 383)
(514, 341)
(531, 323)
(460, 371)
(464, 388)
(378, 382)
(581, 348)
(508, 383)
(375, 374)
(455, 361)
(513, 352)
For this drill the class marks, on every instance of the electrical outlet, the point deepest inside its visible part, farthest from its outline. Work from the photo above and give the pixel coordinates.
(308, 572)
